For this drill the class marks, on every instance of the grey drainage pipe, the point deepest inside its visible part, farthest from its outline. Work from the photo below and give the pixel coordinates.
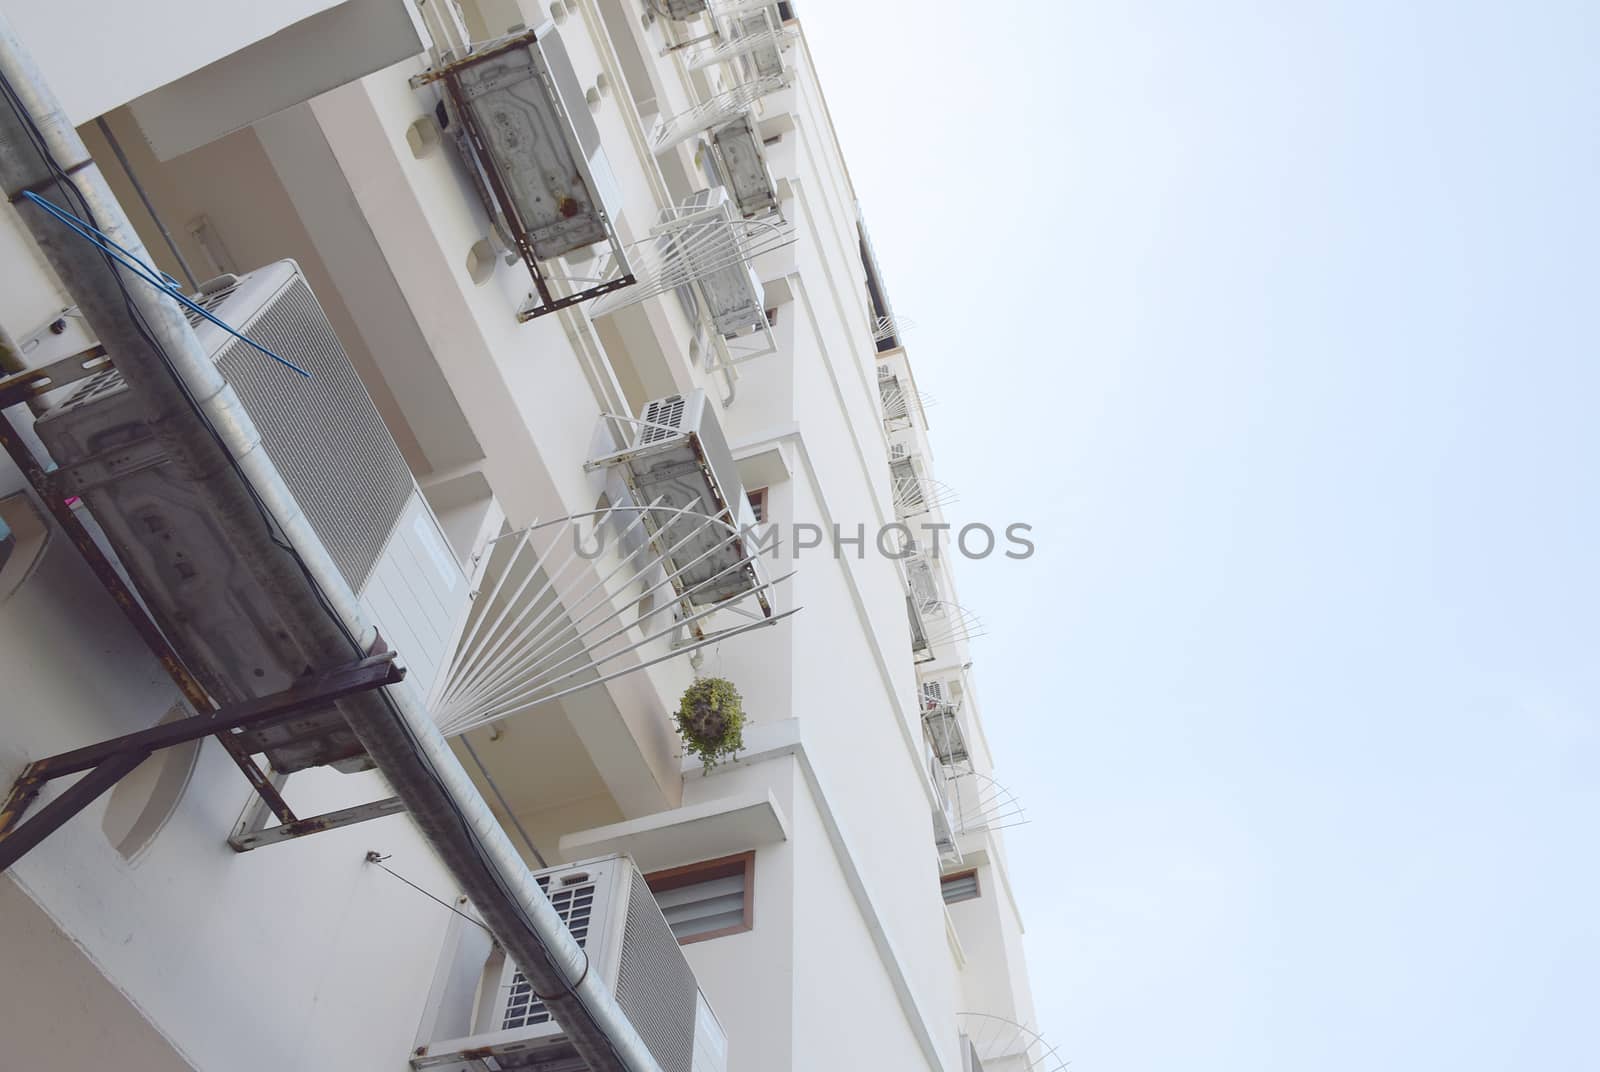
(308, 592)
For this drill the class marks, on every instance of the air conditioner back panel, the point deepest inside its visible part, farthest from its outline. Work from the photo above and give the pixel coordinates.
(684, 10)
(744, 165)
(531, 144)
(347, 475)
(674, 468)
(711, 251)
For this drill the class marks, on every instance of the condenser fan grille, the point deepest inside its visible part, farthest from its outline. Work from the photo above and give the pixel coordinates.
(324, 434)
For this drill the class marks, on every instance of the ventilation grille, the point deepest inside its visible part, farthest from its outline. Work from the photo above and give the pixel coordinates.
(209, 302)
(655, 986)
(574, 904)
(94, 387)
(324, 434)
(662, 411)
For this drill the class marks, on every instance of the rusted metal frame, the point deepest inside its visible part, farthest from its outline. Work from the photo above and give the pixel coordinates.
(24, 387)
(244, 841)
(548, 302)
(51, 817)
(30, 384)
(582, 296)
(253, 817)
(508, 207)
(304, 695)
(108, 761)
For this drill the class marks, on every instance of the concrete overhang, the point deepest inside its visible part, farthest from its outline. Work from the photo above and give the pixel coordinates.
(702, 831)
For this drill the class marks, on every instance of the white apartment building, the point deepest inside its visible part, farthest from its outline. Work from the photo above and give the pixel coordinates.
(600, 269)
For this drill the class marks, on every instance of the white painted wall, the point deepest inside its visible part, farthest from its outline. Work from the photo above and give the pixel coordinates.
(294, 956)
(753, 979)
(849, 964)
(49, 980)
(97, 56)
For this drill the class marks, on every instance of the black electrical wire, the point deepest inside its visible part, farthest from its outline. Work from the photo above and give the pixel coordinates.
(379, 858)
(71, 194)
(495, 787)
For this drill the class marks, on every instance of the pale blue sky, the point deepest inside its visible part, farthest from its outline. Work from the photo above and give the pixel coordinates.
(1279, 321)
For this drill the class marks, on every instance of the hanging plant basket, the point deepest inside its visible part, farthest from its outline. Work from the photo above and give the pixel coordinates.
(710, 720)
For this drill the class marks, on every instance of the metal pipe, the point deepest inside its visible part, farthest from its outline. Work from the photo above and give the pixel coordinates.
(166, 366)
(144, 199)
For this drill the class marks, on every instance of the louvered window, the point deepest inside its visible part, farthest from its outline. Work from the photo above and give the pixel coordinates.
(709, 899)
(961, 886)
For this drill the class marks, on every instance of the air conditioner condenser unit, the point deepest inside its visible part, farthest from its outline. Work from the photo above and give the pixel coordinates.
(483, 1013)
(678, 460)
(742, 161)
(525, 137)
(333, 450)
(708, 243)
(521, 120)
(680, 457)
(681, 10)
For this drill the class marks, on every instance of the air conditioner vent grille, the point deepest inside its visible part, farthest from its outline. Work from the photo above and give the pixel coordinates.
(575, 905)
(324, 434)
(94, 387)
(208, 302)
(655, 986)
(660, 415)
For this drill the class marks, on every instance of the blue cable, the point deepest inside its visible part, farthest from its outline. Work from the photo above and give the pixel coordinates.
(149, 273)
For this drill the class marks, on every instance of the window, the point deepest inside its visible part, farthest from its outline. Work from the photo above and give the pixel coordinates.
(961, 886)
(758, 504)
(707, 899)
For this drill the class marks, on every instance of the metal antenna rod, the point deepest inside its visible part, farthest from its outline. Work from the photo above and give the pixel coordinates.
(144, 199)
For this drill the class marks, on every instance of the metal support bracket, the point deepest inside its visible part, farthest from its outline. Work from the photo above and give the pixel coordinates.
(26, 387)
(251, 835)
(108, 761)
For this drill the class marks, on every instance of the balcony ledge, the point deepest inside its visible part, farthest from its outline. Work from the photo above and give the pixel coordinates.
(702, 831)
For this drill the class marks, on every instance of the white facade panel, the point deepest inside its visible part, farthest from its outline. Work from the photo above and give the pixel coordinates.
(301, 955)
(97, 56)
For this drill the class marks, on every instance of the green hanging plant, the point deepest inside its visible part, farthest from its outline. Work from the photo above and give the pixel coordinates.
(710, 720)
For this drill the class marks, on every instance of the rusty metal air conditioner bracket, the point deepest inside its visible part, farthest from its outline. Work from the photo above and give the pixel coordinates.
(253, 833)
(28, 388)
(104, 764)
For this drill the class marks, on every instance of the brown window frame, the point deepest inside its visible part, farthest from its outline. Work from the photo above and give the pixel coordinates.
(742, 863)
(758, 493)
(977, 885)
